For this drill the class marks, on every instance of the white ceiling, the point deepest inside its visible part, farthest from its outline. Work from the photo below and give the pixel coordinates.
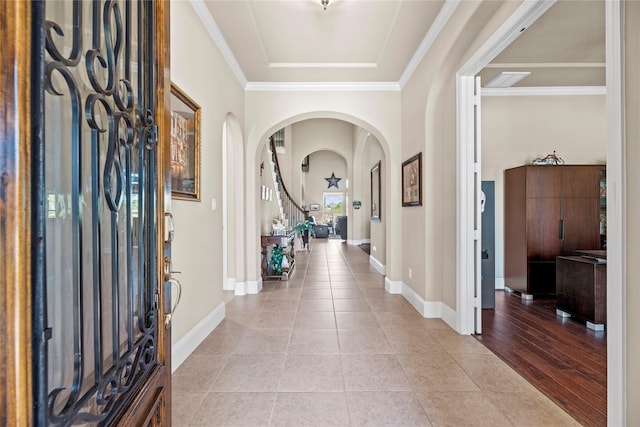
(379, 41)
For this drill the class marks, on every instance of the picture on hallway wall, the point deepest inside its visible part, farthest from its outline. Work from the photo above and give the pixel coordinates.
(375, 192)
(185, 146)
(412, 181)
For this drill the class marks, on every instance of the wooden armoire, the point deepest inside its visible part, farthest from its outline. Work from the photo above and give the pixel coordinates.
(548, 211)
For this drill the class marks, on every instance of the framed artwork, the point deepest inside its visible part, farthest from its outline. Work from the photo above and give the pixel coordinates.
(375, 192)
(314, 207)
(412, 181)
(185, 146)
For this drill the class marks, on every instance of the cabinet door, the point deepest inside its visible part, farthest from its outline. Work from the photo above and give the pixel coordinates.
(581, 181)
(543, 228)
(581, 221)
(544, 181)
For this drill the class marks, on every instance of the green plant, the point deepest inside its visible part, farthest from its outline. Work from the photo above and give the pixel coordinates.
(305, 225)
(276, 259)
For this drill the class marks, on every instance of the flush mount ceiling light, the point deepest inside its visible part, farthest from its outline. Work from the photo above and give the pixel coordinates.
(507, 78)
(324, 3)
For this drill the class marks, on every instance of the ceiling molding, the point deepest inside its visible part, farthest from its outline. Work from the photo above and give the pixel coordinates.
(323, 65)
(545, 91)
(214, 31)
(441, 20)
(323, 86)
(546, 65)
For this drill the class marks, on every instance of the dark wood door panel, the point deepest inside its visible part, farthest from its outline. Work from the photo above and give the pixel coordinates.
(543, 181)
(581, 180)
(543, 228)
(581, 221)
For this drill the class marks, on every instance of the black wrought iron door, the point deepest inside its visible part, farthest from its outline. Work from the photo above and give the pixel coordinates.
(97, 300)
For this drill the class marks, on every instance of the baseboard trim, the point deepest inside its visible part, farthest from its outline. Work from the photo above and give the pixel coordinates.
(414, 299)
(182, 348)
(240, 289)
(377, 265)
(429, 309)
(229, 284)
(449, 315)
(393, 287)
(254, 286)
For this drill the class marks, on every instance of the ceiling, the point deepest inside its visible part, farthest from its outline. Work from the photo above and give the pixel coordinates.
(376, 41)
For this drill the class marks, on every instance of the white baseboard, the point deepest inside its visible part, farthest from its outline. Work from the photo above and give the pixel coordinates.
(229, 284)
(415, 299)
(499, 282)
(254, 286)
(393, 287)
(182, 348)
(377, 265)
(429, 309)
(449, 315)
(240, 289)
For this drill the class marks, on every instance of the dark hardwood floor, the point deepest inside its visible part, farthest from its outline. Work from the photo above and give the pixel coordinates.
(561, 357)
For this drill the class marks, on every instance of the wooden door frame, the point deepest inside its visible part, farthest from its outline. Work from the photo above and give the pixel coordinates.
(15, 215)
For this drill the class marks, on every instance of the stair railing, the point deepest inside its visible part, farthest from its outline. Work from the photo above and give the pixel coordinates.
(290, 209)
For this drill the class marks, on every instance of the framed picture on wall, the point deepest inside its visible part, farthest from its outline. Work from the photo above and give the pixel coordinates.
(412, 181)
(185, 146)
(314, 207)
(375, 192)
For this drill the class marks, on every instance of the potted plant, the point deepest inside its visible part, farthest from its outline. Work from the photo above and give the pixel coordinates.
(305, 227)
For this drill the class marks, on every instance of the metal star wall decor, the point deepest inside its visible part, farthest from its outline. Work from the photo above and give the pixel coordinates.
(333, 181)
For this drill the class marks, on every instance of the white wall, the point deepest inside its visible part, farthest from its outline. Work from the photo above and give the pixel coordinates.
(519, 129)
(198, 229)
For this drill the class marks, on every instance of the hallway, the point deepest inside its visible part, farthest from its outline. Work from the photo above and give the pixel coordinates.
(331, 347)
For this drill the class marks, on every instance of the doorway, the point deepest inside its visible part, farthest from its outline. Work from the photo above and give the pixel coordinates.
(527, 14)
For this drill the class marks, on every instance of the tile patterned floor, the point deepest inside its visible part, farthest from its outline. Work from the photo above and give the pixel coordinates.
(330, 347)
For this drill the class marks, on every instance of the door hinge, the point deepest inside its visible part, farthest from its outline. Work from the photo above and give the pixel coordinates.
(476, 234)
(156, 301)
(477, 303)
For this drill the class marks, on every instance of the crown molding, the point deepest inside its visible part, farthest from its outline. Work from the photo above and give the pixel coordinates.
(441, 20)
(322, 86)
(212, 28)
(545, 91)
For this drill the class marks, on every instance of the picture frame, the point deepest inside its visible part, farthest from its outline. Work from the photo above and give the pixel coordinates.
(375, 192)
(412, 181)
(185, 146)
(314, 207)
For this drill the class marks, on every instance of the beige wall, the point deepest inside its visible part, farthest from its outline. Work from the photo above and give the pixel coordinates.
(198, 229)
(632, 214)
(322, 165)
(429, 126)
(519, 129)
(376, 111)
(377, 229)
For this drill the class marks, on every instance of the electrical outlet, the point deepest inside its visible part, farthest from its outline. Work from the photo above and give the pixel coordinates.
(410, 273)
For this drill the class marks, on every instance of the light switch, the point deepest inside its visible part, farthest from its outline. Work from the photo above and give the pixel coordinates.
(213, 204)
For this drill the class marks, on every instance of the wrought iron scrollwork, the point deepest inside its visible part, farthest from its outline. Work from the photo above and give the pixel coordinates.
(112, 118)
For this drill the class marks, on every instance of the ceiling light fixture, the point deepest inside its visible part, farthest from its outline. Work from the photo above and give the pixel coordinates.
(507, 78)
(324, 3)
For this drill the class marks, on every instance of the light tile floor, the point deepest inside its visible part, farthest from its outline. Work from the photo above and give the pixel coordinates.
(330, 347)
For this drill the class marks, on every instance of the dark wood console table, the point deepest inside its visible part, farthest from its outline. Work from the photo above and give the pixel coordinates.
(581, 287)
(286, 243)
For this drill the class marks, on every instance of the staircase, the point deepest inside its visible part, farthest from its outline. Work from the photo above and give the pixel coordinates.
(290, 211)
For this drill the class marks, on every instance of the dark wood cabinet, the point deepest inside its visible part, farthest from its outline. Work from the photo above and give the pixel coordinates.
(548, 211)
(582, 289)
